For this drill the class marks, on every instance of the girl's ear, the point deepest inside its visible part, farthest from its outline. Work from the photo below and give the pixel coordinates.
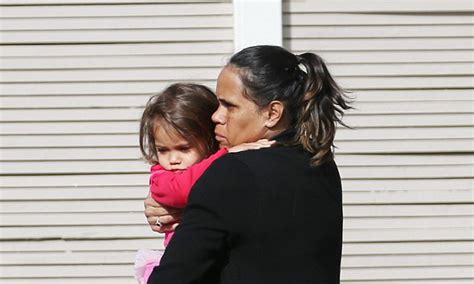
(274, 113)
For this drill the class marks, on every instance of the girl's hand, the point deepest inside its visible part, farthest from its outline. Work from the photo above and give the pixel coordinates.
(168, 216)
(262, 143)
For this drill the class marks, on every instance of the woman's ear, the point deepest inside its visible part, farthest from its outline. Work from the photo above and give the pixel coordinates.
(275, 113)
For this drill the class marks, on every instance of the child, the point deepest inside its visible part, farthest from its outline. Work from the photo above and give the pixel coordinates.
(177, 136)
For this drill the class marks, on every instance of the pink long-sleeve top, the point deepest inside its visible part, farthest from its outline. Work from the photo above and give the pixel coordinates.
(172, 188)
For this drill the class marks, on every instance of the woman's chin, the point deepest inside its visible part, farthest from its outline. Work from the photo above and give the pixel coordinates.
(223, 145)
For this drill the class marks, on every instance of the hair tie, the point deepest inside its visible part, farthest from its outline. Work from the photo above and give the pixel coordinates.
(301, 60)
(303, 68)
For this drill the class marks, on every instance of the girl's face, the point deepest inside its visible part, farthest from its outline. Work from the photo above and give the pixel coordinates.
(175, 152)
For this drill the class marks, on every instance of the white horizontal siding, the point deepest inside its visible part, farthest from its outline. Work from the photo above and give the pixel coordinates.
(110, 23)
(357, 171)
(377, 6)
(203, 73)
(131, 186)
(72, 182)
(75, 78)
(120, 49)
(137, 218)
(427, 112)
(107, 36)
(407, 164)
(109, 8)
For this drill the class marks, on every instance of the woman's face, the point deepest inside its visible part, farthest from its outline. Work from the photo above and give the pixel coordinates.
(238, 119)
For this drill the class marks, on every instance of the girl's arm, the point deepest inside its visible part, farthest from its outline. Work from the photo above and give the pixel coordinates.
(172, 188)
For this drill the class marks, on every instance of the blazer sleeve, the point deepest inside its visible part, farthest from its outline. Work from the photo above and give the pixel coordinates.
(173, 188)
(214, 216)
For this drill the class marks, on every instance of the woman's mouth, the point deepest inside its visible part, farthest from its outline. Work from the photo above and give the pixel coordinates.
(222, 140)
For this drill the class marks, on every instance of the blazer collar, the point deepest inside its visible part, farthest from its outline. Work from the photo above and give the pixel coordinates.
(285, 136)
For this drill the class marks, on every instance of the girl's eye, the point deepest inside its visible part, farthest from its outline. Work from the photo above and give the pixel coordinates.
(184, 148)
(161, 150)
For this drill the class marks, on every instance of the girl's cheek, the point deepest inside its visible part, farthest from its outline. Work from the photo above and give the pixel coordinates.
(161, 158)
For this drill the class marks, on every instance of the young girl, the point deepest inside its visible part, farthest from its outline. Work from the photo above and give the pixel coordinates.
(177, 137)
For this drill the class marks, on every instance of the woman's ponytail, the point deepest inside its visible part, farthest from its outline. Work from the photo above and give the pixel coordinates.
(321, 107)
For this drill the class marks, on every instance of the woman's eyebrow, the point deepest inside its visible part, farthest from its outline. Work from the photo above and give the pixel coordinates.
(225, 102)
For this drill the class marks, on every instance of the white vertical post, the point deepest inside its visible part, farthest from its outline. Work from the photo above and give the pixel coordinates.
(257, 22)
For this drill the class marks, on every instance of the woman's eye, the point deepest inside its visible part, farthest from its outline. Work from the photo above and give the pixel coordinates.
(226, 104)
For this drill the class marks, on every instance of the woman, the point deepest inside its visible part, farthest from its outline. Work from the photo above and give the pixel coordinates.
(272, 215)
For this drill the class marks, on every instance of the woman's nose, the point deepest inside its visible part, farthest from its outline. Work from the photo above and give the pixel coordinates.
(218, 117)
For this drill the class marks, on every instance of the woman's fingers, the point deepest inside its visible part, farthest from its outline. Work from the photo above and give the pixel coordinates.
(164, 223)
(160, 218)
(153, 208)
(164, 228)
(167, 219)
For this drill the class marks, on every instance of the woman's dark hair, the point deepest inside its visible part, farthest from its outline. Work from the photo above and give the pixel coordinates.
(185, 108)
(313, 101)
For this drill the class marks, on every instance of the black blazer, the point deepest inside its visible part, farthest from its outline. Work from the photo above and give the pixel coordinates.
(260, 216)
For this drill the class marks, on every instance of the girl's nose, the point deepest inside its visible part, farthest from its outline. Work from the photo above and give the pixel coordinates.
(175, 159)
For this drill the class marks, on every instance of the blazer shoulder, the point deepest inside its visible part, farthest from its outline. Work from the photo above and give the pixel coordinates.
(225, 174)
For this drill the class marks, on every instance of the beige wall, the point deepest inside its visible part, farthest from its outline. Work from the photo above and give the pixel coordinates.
(75, 78)
(74, 81)
(407, 167)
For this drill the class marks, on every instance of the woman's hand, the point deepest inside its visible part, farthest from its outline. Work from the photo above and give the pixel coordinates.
(262, 143)
(167, 216)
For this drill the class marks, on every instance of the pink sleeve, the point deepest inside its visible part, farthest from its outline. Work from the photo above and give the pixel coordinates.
(173, 188)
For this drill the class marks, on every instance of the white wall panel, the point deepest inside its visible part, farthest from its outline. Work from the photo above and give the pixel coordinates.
(108, 75)
(157, 49)
(89, 88)
(132, 22)
(378, 6)
(407, 162)
(104, 9)
(74, 80)
(113, 61)
(75, 77)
